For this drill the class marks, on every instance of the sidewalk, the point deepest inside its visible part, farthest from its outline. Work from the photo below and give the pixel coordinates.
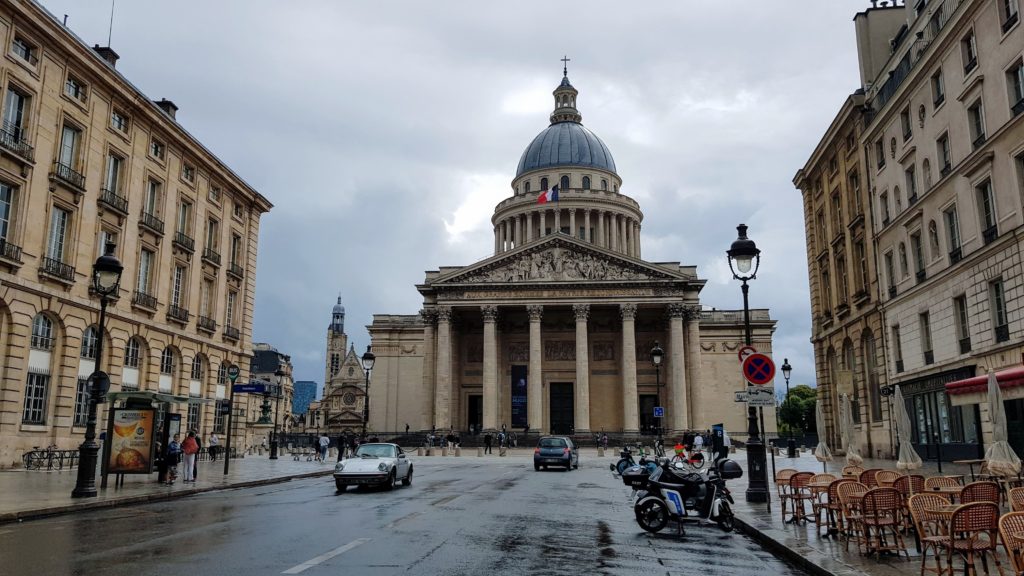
(33, 494)
(801, 543)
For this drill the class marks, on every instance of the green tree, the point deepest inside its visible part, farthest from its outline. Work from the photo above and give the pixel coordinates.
(797, 411)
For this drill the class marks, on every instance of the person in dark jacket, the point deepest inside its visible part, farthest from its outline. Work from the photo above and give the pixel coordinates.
(487, 443)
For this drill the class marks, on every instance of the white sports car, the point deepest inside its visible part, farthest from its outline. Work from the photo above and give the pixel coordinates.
(380, 464)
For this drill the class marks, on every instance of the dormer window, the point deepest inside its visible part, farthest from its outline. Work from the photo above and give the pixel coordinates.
(25, 50)
(119, 121)
(75, 88)
(156, 149)
(188, 173)
(214, 194)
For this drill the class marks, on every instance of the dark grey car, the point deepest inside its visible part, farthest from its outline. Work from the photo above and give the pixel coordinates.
(556, 451)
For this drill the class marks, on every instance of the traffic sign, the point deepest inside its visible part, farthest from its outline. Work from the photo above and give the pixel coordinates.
(742, 396)
(758, 369)
(659, 412)
(745, 351)
(760, 396)
(233, 372)
(252, 388)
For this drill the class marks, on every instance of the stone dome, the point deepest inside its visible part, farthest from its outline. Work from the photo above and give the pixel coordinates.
(566, 144)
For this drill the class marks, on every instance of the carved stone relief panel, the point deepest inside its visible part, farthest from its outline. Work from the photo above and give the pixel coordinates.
(474, 352)
(519, 352)
(559, 350)
(602, 351)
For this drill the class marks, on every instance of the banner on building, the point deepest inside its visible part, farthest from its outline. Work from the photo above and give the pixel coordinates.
(519, 417)
(132, 443)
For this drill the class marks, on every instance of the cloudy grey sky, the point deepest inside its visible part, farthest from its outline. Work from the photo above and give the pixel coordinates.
(385, 132)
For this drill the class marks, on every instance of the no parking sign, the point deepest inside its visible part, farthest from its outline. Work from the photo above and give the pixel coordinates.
(758, 369)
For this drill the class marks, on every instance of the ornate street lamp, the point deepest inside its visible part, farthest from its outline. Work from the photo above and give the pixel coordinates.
(657, 355)
(367, 360)
(106, 279)
(744, 260)
(277, 410)
(787, 370)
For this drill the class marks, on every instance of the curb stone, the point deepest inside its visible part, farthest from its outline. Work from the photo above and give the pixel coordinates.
(8, 517)
(800, 559)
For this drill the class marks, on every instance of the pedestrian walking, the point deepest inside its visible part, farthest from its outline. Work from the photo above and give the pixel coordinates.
(195, 465)
(324, 443)
(407, 428)
(214, 447)
(341, 447)
(171, 458)
(698, 442)
(487, 443)
(190, 448)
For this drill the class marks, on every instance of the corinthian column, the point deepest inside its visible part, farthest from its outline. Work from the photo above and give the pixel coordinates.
(630, 402)
(543, 223)
(429, 317)
(700, 421)
(490, 375)
(679, 416)
(586, 226)
(582, 395)
(443, 383)
(535, 406)
(572, 222)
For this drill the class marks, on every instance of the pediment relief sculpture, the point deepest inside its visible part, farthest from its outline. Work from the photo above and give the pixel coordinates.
(558, 263)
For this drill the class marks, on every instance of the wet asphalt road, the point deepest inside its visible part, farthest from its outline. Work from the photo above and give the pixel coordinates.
(472, 516)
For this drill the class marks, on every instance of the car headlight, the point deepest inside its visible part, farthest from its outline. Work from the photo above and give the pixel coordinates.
(339, 466)
(383, 467)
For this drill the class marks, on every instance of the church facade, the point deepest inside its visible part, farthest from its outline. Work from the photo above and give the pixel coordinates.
(554, 332)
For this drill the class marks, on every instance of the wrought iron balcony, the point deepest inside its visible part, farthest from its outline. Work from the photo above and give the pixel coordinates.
(231, 332)
(10, 252)
(211, 256)
(892, 291)
(1018, 107)
(206, 323)
(965, 345)
(143, 300)
(955, 255)
(115, 201)
(1002, 333)
(41, 342)
(971, 65)
(1010, 22)
(58, 269)
(152, 222)
(236, 271)
(990, 234)
(929, 357)
(177, 313)
(12, 140)
(978, 142)
(68, 175)
(185, 242)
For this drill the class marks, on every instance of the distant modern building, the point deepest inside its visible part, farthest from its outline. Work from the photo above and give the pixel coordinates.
(86, 159)
(305, 392)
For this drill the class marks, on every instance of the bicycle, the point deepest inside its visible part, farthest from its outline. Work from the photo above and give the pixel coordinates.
(35, 458)
(694, 459)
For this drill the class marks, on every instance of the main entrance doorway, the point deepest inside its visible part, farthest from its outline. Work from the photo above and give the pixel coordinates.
(561, 408)
(475, 418)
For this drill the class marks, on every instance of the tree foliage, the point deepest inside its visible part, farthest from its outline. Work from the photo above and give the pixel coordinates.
(797, 410)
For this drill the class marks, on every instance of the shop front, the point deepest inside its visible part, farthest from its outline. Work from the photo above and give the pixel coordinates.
(973, 392)
(942, 428)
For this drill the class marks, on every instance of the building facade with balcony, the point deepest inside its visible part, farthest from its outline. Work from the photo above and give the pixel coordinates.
(275, 371)
(554, 332)
(86, 159)
(943, 153)
(849, 354)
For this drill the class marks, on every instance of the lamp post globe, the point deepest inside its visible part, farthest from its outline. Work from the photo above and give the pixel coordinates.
(744, 259)
(106, 280)
(787, 370)
(367, 360)
(657, 355)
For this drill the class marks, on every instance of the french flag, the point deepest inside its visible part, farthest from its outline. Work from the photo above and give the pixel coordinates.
(548, 196)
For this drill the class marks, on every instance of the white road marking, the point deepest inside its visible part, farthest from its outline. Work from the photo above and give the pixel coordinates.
(325, 557)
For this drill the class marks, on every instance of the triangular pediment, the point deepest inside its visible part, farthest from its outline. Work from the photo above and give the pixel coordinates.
(346, 416)
(560, 258)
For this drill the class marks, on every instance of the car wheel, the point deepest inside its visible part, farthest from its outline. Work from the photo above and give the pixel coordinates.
(390, 483)
(568, 466)
(341, 486)
(545, 467)
(536, 467)
(408, 478)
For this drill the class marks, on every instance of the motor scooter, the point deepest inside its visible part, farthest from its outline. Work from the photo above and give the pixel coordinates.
(676, 492)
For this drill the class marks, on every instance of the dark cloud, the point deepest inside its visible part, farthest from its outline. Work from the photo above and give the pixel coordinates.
(384, 133)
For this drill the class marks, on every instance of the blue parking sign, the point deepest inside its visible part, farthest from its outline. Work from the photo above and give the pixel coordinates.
(659, 411)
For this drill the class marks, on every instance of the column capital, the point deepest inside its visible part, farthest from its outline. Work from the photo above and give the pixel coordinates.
(444, 313)
(692, 312)
(581, 311)
(628, 311)
(536, 312)
(429, 316)
(676, 310)
(489, 312)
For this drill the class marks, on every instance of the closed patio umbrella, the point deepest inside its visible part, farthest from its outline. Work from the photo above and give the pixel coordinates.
(907, 458)
(822, 453)
(1002, 460)
(851, 442)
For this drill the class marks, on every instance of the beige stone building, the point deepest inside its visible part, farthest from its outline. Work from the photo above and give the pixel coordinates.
(341, 408)
(943, 155)
(86, 159)
(846, 330)
(275, 371)
(554, 331)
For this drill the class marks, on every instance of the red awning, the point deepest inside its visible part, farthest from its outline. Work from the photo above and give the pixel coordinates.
(1007, 379)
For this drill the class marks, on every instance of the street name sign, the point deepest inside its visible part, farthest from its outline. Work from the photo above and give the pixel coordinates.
(251, 388)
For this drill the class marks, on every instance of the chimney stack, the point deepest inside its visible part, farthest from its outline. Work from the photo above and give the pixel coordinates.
(107, 53)
(167, 106)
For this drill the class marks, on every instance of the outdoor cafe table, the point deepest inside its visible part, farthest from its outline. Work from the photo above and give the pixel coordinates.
(952, 492)
(817, 489)
(970, 463)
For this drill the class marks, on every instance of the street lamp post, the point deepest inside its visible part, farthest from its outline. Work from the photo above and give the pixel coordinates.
(106, 278)
(277, 410)
(744, 259)
(657, 354)
(787, 370)
(367, 360)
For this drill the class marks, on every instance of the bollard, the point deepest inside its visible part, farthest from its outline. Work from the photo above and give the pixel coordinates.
(502, 450)
(600, 452)
(430, 451)
(479, 451)
(444, 451)
(419, 451)
(732, 449)
(458, 450)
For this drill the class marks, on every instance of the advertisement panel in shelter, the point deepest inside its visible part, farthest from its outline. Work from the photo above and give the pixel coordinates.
(132, 443)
